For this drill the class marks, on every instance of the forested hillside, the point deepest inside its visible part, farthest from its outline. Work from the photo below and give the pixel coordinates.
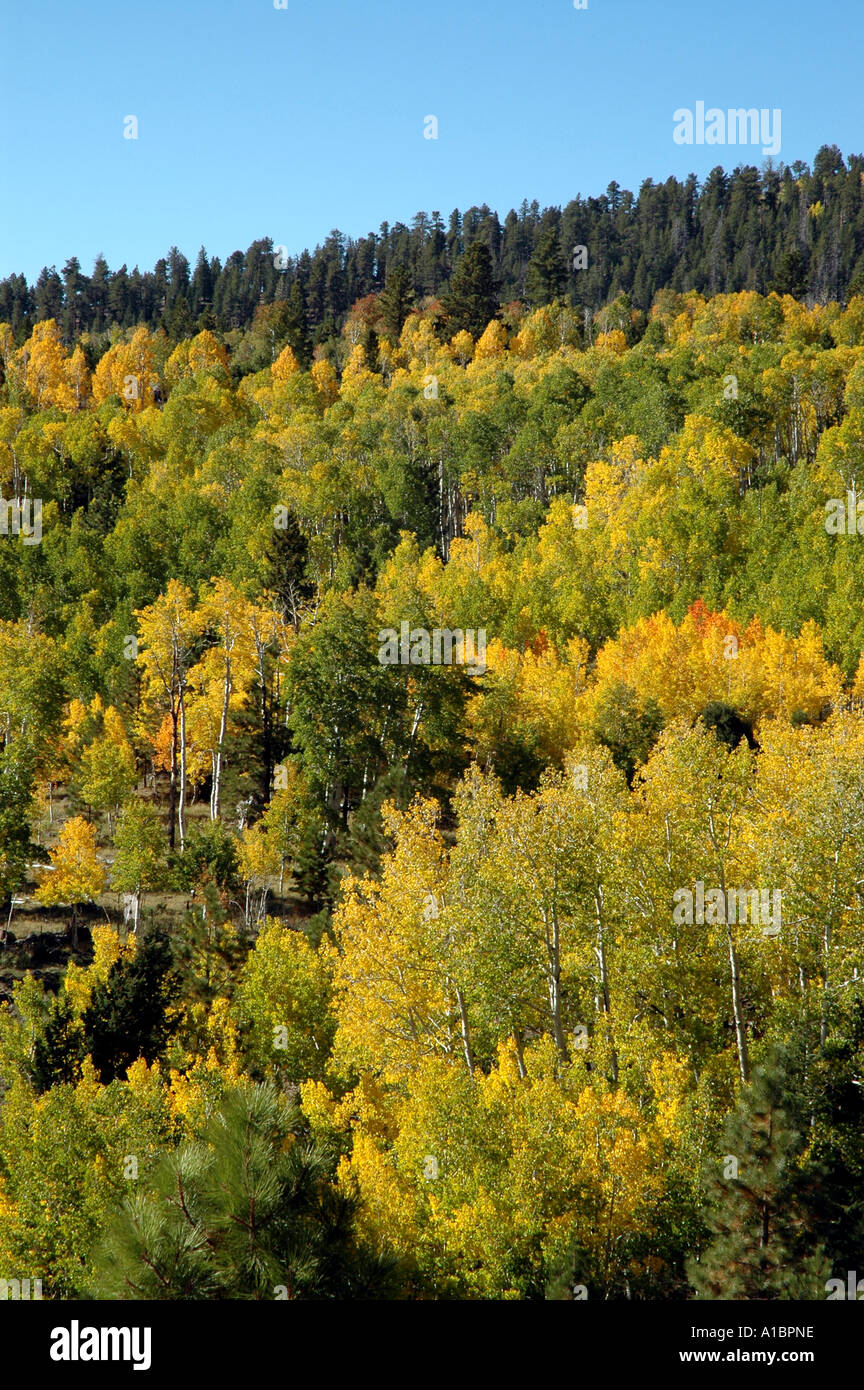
(432, 777)
(791, 228)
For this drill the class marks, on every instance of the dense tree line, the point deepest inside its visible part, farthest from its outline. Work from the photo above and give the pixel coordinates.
(790, 228)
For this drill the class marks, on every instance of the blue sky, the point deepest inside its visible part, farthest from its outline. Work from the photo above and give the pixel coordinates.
(287, 123)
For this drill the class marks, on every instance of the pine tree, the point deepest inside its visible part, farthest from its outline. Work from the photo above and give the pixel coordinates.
(285, 573)
(60, 1049)
(761, 1245)
(297, 324)
(834, 1096)
(249, 1211)
(127, 1016)
(547, 273)
(396, 301)
(627, 726)
(727, 724)
(472, 301)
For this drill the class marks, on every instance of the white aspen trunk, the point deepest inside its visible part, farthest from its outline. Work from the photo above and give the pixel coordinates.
(181, 805)
(463, 1028)
(604, 984)
(734, 972)
(737, 1011)
(223, 725)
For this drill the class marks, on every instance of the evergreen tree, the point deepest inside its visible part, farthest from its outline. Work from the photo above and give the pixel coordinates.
(48, 295)
(396, 301)
(201, 286)
(832, 1096)
(790, 276)
(727, 724)
(761, 1244)
(60, 1049)
(285, 568)
(627, 726)
(547, 273)
(249, 1211)
(98, 289)
(472, 301)
(75, 287)
(127, 1017)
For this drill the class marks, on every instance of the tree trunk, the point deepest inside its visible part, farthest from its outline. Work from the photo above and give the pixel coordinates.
(740, 1027)
(172, 805)
(463, 1026)
(181, 806)
(223, 725)
(735, 977)
(554, 944)
(604, 985)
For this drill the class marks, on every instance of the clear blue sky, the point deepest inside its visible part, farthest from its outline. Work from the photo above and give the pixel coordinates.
(257, 122)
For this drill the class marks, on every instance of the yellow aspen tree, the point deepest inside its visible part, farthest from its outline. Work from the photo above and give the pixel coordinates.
(259, 864)
(46, 365)
(201, 355)
(78, 377)
(108, 769)
(77, 875)
(695, 795)
(395, 998)
(286, 365)
(227, 669)
(169, 630)
(492, 342)
(326, 382)
(128, 370)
